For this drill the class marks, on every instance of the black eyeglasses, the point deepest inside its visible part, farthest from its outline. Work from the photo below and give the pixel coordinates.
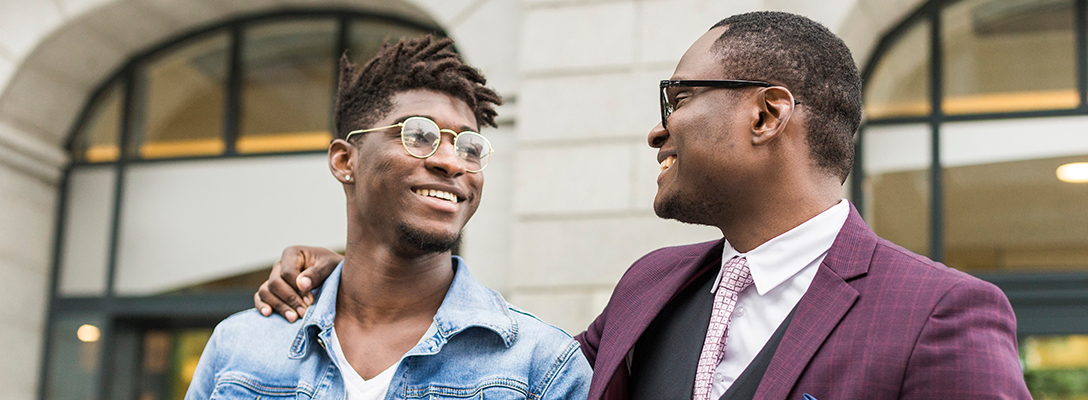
(667, 107)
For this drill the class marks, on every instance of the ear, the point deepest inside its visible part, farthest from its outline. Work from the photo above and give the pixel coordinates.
(340, 161)
(775, 107)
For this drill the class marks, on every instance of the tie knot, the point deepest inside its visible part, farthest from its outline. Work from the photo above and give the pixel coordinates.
(735, 275)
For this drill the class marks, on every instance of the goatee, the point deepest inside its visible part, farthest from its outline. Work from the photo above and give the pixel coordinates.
(427, 242)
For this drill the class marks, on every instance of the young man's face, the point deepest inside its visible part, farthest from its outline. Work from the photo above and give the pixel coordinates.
(413, 196)
(706, 146)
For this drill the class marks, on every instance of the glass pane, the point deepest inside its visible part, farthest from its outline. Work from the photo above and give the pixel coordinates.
(897, 185)
(169, 359)
(1003, 56)
(99, 137)
(1056, 367)
(1006, 209)
(181, 97)
(88, 221)
(367, 36)
(74, 359)
(287, 86)
(899, 86)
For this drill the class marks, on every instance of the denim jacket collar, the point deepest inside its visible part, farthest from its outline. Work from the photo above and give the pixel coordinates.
(467, 304)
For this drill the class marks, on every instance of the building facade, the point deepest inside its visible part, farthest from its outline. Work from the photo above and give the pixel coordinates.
(156, 155)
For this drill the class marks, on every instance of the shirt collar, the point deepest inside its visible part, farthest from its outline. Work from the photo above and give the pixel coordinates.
(467, 304)
(782, 257)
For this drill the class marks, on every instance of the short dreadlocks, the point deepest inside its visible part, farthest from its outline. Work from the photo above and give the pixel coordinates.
(365, 97)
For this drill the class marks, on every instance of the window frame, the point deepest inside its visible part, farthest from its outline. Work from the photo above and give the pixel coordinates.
(1044, 303)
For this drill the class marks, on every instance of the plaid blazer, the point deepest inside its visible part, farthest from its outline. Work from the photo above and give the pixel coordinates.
(878, 322)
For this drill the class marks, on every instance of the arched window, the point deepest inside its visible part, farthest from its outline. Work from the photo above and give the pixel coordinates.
(255, 86)
(975, 135)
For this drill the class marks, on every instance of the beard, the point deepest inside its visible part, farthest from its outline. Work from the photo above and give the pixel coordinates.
(685, 208)
(426, 242)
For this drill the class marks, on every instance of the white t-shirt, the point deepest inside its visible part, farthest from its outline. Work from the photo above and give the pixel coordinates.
(374, 388)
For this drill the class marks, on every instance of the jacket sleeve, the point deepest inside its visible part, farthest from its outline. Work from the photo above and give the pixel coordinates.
(570, 378)
(204, 377)
(967, 349)
(590, 340)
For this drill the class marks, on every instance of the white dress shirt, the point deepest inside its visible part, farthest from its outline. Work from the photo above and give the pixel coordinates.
(782, 269)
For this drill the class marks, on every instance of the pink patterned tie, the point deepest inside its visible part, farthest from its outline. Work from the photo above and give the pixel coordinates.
(735, 278)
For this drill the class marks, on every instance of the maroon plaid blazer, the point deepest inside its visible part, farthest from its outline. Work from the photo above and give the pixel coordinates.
(878, 322)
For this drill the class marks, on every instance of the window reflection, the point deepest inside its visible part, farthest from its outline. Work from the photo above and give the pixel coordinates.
(899, 86)
(897, 184)
(365, 37)
(98, 140)
(287, 86)
(181, 99)
(1008, 55)
(73, 361)
(1056, 367)
(169, 359)
(1015, 216)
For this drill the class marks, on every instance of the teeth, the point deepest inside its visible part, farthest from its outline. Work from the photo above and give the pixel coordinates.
(437, 194)
(666, 163)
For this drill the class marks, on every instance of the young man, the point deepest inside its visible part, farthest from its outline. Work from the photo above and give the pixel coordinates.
(800, 299)
(400, 317)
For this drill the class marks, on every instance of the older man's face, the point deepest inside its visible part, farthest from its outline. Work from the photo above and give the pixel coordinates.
(704, 153)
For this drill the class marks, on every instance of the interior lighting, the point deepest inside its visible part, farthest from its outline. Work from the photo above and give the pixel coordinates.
(88, 333)
(1074, 172)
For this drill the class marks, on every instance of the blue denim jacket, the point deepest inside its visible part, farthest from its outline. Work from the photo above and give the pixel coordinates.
(483, 348)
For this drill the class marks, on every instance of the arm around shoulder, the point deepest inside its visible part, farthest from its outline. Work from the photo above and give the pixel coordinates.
(967, 348)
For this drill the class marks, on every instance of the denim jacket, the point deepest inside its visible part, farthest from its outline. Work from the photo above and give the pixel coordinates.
(484, 348)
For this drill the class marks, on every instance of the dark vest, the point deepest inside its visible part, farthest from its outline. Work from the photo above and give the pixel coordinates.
(666, 356)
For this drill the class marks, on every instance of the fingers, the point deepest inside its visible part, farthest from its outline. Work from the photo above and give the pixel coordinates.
(267, 301)
(262, 307)
(290, 303)
(319, 264)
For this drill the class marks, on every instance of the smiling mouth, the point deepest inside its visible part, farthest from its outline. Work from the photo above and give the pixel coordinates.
(450, 197)
(667, 162)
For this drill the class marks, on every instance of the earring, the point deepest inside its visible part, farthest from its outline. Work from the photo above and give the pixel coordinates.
(347, 177)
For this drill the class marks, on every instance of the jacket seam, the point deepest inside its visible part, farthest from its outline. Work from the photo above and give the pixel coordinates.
(559, 364)
(922, 331)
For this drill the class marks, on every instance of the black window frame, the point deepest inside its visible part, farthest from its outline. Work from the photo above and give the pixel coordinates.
(1044, 303)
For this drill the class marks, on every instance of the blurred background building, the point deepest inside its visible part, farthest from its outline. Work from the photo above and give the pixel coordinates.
(156, 156)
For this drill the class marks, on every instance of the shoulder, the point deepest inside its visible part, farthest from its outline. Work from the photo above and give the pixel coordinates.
(558, 360)
(899, 264)
(248, 338)
(660, 263)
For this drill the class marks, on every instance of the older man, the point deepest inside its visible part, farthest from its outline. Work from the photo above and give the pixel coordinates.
(800, 299)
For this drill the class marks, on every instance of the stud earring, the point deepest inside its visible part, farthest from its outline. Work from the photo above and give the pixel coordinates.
(347, 177)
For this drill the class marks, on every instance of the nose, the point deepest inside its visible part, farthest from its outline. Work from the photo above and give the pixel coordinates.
(658, 136)
(445, 160)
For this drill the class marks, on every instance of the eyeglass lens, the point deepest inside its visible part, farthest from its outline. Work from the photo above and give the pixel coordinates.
(421, 137)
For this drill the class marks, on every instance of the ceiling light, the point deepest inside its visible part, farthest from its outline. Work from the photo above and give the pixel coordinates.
(88, 333)
(1074, 172)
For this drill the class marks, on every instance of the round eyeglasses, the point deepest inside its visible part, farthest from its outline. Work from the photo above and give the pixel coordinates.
(421, 137)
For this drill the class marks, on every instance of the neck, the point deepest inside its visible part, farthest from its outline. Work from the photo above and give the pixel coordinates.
(772, 212)
(380, 285)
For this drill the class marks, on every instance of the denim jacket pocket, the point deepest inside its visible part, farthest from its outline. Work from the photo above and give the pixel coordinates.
(492, 389)
(234, 386)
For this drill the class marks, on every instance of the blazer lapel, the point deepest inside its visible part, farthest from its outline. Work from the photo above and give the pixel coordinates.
(825, 303)
(622, 337)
